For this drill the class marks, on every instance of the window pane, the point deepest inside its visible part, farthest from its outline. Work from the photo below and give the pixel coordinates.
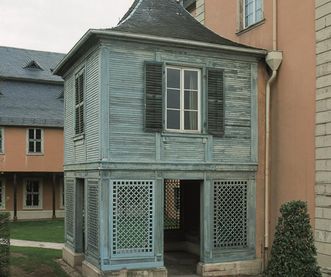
(35, 186)
(190, 79)
(258, 15)
(173, 119)
(28, 200)
(191, 121)
(38, 133)
(31, 133)
(31, 146)
(35, 200)
(258, 4)
(38, 146)
(191, 100)
(173, 78)
(28, 187)
(173, 99)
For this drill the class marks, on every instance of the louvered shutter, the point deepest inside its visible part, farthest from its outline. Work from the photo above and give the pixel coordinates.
(215, 102)
(153, 96)
(81, 100)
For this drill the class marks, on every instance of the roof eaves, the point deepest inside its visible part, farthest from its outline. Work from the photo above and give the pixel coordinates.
(32, 80)
(248, 50)
(60, 67)
(99, 33)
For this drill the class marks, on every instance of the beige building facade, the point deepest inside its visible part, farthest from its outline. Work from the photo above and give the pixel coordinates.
(323, 134)
(286, 27)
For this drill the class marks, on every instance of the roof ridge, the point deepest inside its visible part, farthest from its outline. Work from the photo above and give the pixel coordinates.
(130, 11)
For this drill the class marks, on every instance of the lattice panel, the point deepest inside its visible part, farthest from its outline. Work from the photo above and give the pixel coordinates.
(69, 205)
(93, 217)
(132, 214)
(230, 214)
(171, 204)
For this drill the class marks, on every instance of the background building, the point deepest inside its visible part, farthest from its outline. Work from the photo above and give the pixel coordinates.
(31, 134)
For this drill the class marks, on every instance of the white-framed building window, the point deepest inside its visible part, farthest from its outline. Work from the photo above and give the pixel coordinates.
(2, 194)
(2, 140)
(35, 140)
(183, 90)
(32, 194)
(252, 12)
(79, 102)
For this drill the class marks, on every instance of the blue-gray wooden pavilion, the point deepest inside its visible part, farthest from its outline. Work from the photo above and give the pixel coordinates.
(160, 142)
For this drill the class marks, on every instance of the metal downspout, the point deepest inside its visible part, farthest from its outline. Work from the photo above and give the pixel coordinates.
(273, 59)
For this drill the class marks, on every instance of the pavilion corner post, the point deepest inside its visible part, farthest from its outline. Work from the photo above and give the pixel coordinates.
(53, 196)
(15, 197)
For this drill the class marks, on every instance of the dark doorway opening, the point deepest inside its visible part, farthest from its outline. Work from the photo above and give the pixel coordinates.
(182, 226)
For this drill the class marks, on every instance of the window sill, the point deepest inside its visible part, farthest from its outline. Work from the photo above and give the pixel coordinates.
(32, 208)
(35, 154)
(250, 27)
(183, 134)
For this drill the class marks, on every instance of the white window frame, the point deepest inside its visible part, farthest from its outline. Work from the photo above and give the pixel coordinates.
(182, 109)
(35, 140)
(40, 204)
(80, 72)
(2, 142)
(3, 194)
(254, 13)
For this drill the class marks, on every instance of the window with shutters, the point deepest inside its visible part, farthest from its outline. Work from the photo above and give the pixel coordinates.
(181, 89)
(35, 140)
(2, 194)
(2, 150)
(182, 99)
(32, 194)
(79, 102)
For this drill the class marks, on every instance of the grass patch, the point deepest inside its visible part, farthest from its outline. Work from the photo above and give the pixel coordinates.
(27, 261)
(45, 230)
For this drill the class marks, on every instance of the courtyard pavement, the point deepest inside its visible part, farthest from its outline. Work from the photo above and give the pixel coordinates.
(38, 244)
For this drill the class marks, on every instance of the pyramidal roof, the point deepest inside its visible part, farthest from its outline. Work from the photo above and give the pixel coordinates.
(167, 18)
(156, 20)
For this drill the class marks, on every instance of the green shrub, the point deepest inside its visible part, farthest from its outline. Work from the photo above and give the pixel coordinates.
(4, 244)
(293, 251)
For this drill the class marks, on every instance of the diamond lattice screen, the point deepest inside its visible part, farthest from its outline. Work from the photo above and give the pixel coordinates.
(93, 217)
(132, 214)
(230, 214)
(171, 204)
(69, 205)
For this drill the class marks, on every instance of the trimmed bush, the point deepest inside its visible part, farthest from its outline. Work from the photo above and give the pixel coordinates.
(4, 244)
(293, 252)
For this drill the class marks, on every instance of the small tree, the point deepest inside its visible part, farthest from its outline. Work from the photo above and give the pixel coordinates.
(4, 244)
(293, 251)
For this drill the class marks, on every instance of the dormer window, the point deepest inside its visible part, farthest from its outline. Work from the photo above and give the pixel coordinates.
(33, 65)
